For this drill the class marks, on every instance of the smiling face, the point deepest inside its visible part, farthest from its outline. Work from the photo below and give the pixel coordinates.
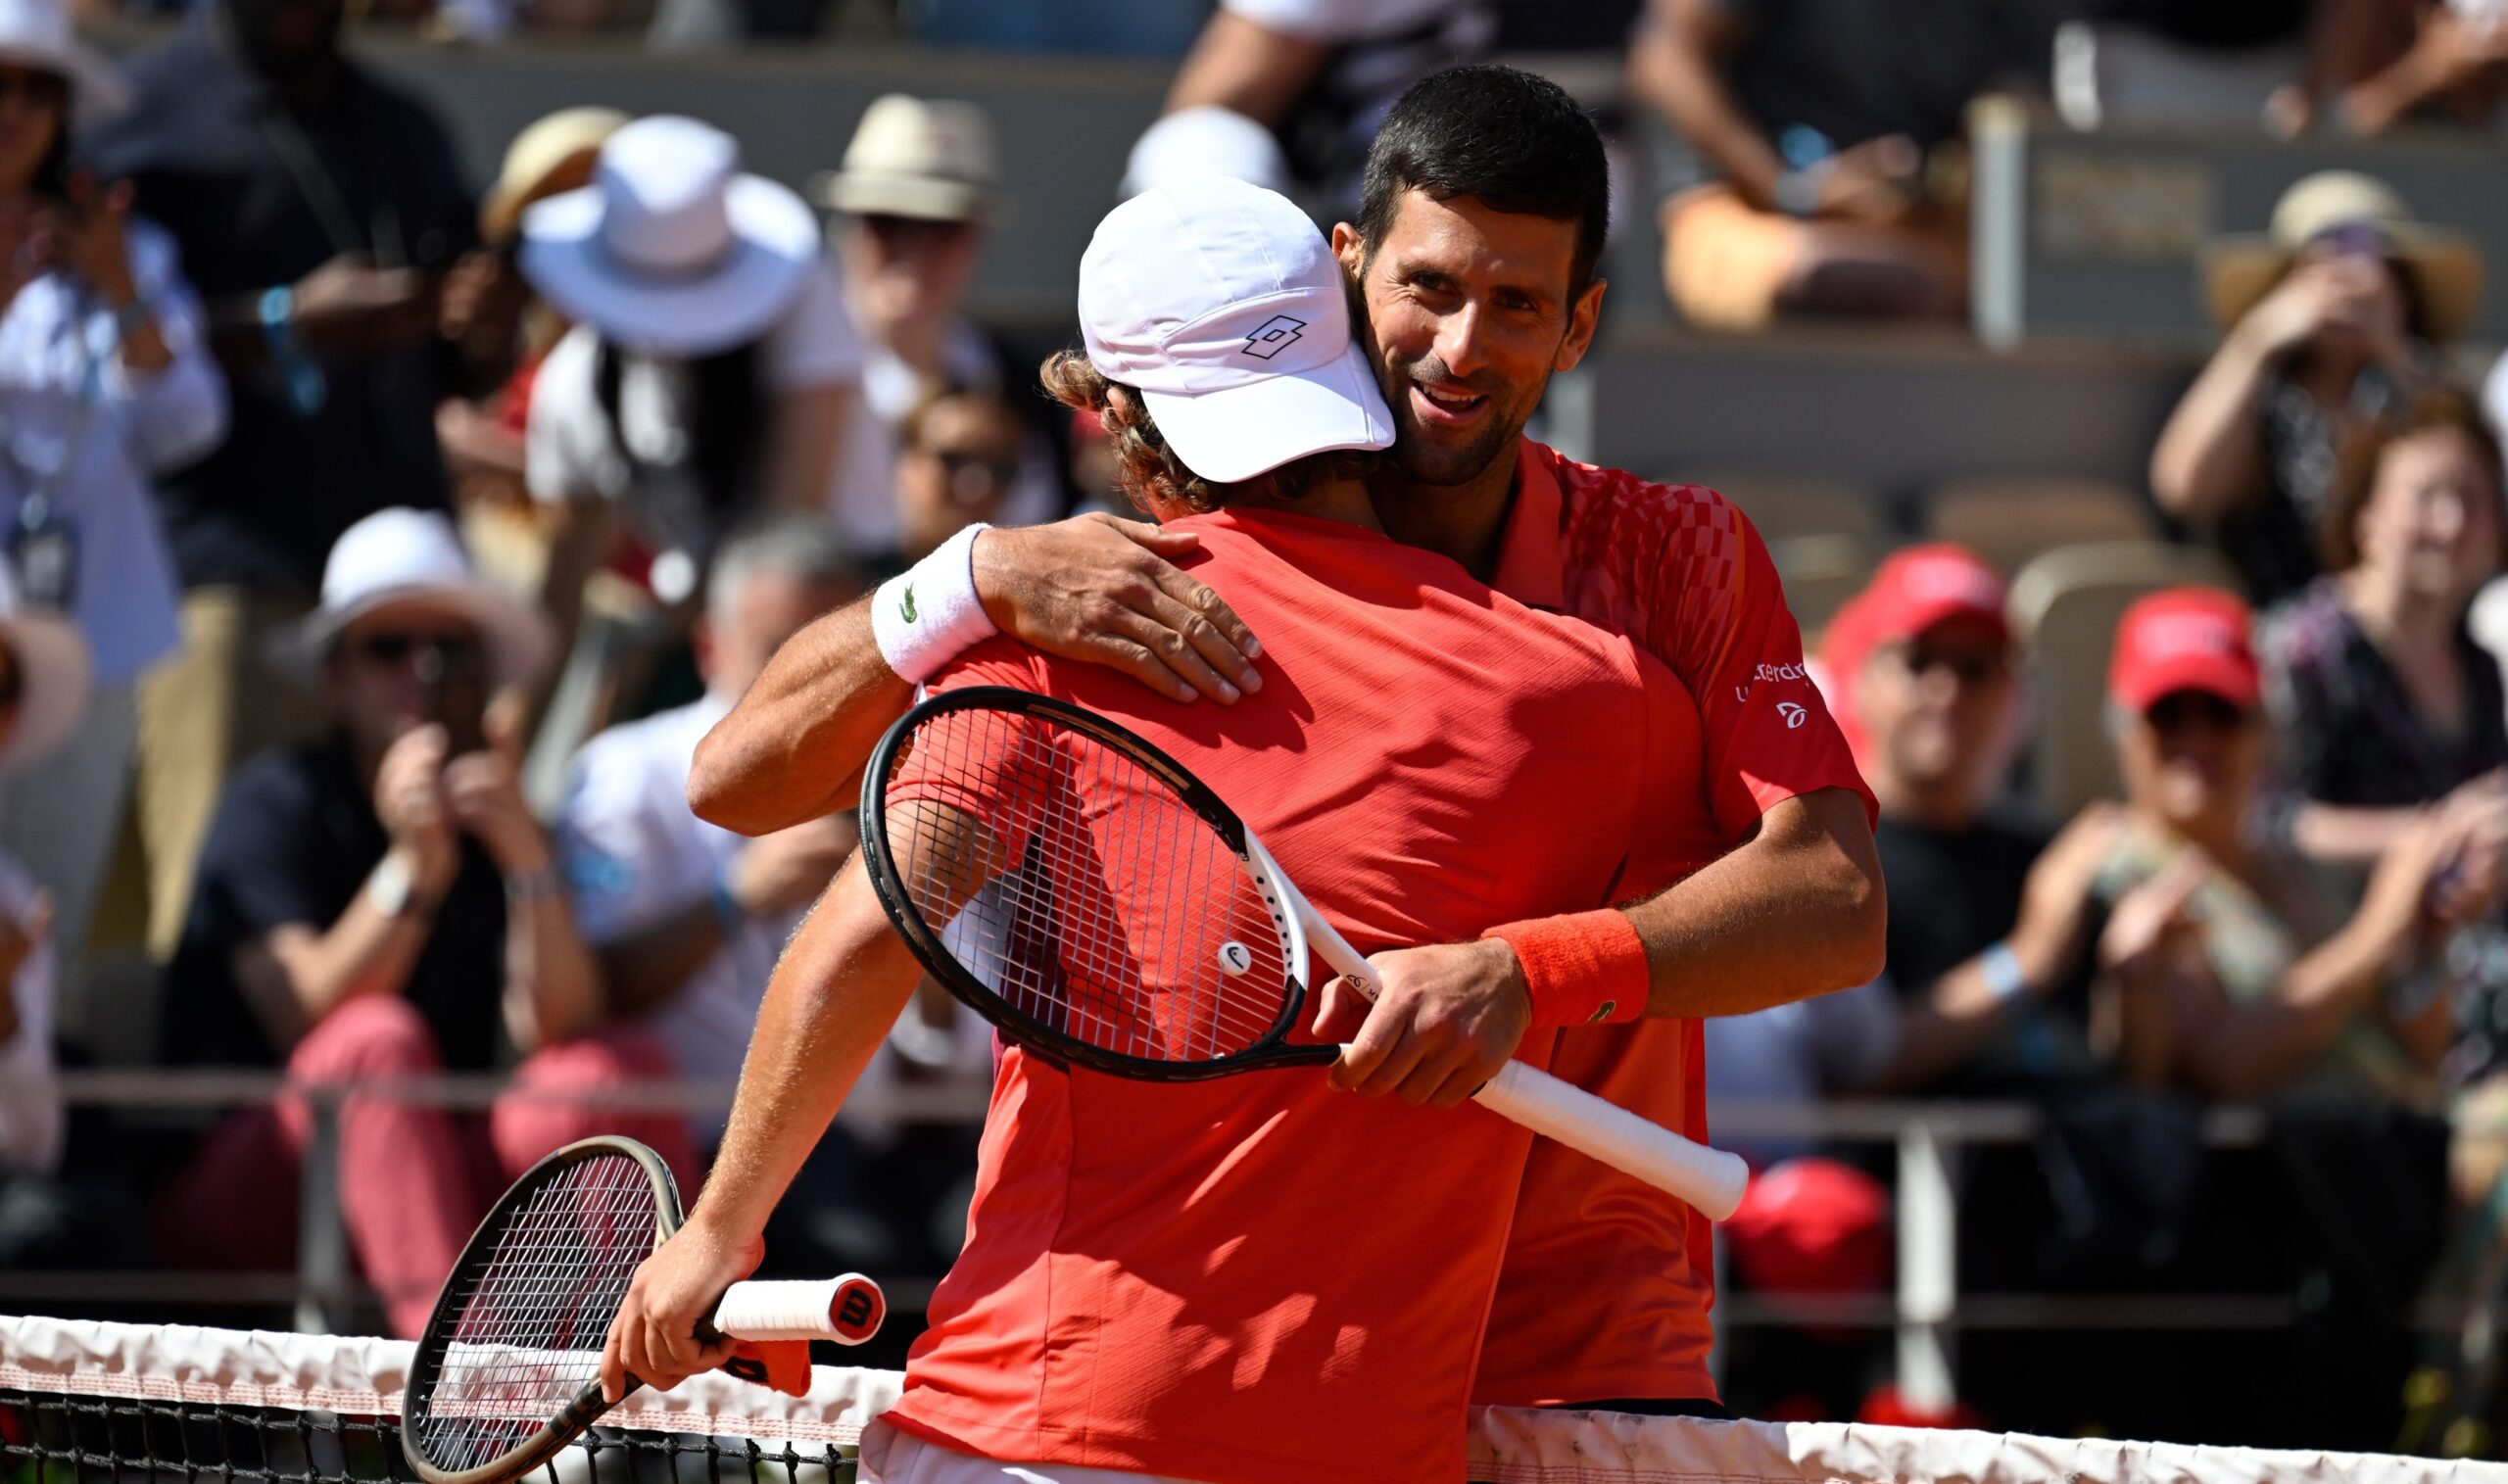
(1469, 313)
(2194, 760)
(2431, 521)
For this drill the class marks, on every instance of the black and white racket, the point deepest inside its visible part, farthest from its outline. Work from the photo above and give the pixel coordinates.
(1086, 894)
(508, 1370)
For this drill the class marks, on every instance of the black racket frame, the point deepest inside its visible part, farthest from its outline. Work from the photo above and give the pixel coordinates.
(1269, 1052)
(426, 1364)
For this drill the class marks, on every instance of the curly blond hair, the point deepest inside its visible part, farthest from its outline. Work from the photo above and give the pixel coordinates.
(1148, 471)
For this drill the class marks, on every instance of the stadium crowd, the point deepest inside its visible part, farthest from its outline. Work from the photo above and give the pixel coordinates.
(382, 554)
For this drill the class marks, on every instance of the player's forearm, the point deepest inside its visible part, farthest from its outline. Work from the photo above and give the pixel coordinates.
(839, 987)
(2209, 458)
(794, 746)
(1796, 911)
(1247, 68)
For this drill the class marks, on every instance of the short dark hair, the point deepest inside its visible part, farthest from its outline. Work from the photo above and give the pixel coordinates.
(1512, 140)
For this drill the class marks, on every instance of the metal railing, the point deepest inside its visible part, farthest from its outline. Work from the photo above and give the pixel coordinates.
(1925, 1308)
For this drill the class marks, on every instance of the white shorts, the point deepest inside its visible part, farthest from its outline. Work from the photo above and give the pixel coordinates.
(891, 1456)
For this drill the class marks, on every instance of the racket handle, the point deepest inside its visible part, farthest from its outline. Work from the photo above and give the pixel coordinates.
(1710, 1179)
(846, 1310)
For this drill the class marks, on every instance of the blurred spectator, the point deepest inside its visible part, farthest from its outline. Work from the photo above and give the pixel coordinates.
(1814, 126)
(315, 210)
(957, 467)
(915, 194)
(2378, 64)
(483, 438)
(43, 688)
(105, 383)
(380, 903)
(1275, 89)
(2382, 700)
(1987, 971)
(711, 367)
(2235, 975)
(2333, 321)
(685, 917)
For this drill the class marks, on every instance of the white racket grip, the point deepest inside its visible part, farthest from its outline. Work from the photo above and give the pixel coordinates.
(1711, 1179)
(846, 1310)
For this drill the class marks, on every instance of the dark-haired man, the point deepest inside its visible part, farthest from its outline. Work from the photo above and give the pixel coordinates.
(1474, 257)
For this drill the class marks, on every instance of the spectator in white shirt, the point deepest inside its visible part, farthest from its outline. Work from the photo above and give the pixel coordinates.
(105, 382)
(914, 197)
(44, 680)
(711, 369)
(1321, 71)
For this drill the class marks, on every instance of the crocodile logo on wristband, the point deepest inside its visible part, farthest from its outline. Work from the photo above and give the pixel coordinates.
(906, 605)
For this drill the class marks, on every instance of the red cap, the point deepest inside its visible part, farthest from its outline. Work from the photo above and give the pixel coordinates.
(2185, 639)
(1914, 590)
(1813, 1225)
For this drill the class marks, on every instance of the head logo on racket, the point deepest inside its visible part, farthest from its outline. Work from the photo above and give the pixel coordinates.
(1235, 957)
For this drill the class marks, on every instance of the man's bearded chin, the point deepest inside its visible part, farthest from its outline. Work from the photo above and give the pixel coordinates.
(1425, 461)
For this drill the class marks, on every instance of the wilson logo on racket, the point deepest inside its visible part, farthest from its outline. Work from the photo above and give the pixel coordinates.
(859, 1310)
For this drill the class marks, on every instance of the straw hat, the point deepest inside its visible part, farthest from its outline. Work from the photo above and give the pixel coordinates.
(912, 156)
(53, 676)
(403, 555)
(2445, 267)
(37, 34)
(671, 250)
(555, 154)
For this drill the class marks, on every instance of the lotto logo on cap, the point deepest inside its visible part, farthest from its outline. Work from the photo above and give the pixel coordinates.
(2184, 639)
(1224, 306)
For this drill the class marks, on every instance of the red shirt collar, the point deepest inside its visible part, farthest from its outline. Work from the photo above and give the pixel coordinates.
(1532, 561)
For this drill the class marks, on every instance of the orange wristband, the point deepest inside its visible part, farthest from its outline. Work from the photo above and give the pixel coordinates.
(1582, 969)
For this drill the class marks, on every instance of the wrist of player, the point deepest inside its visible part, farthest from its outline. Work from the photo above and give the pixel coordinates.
(1583, 968)
(930, 614)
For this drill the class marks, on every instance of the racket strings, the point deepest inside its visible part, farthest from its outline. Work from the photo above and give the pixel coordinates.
(529, 1321)
(1074, 882)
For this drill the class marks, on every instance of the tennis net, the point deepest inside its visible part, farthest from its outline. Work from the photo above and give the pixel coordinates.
(85, 1403)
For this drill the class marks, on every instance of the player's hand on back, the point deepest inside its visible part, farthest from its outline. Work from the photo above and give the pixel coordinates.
(1102, 590)
(1448, 1018)
(674, 1291)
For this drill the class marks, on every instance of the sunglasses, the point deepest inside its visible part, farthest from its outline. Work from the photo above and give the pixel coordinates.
(44, 89)
(2181, 709)
(389, 649)
(915, 231)
(1971, 668)
(972, 476)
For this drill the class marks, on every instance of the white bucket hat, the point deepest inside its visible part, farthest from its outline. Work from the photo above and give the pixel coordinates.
(671, 250)
(1223, 306)
(53, 673)
(403, 555)
(37, 34)
(912, 156)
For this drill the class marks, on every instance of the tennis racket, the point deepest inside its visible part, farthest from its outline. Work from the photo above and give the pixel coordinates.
(1091, 898)
(508, 1370)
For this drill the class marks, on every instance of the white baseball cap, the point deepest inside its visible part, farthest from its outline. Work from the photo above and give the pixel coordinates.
(1224, 306)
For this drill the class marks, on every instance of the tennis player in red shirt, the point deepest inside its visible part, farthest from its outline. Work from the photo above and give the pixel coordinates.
(1474, 257)
(1257, 1281)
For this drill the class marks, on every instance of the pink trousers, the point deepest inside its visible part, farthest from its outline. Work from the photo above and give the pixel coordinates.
(413, 1180)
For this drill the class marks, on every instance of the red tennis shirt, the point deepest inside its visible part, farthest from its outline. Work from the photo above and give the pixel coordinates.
(1258, 1279)
(1608, 1281)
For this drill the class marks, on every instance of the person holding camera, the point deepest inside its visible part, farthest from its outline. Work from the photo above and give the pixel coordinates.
(106, 383)
(382, 903)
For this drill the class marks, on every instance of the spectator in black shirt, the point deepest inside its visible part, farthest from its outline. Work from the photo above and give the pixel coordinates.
(1986, 959)
(2333, 321)
(315, 210)
(382, 903)
(1811, 123)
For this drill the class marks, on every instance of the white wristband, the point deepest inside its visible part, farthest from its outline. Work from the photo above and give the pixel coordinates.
(2002, 972)
(929, 615)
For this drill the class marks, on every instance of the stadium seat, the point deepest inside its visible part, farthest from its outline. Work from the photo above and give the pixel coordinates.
(2064, 608)
(2008, 521)
(1795, 504)
(1820, 573)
